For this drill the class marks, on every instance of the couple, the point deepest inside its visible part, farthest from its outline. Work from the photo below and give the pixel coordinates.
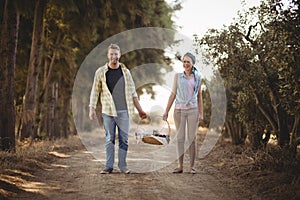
(114, 83)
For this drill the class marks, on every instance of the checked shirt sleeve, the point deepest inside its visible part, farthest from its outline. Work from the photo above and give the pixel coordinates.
(96, 89)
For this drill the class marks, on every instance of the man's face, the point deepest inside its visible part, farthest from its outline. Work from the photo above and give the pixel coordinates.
(113, 56)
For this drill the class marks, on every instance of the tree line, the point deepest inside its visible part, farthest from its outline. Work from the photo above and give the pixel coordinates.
(43, 43)
(258, 57)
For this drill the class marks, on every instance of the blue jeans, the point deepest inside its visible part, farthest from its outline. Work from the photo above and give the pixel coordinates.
(110, 123)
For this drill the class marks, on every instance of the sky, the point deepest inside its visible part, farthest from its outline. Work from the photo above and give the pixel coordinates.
(196, 17)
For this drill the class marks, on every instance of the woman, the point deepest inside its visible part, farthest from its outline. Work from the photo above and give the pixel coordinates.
(188, 109)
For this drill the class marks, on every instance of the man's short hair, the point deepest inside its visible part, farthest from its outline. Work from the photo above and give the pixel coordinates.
(114, 46)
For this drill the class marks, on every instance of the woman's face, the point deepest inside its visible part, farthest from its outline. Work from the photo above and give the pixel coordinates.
(187, 63)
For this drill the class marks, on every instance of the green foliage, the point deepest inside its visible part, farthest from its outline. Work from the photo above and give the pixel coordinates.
(258, 58)
(72, 29)
(206, 107)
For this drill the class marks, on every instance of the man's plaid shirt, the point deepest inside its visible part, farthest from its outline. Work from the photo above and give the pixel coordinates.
(100, 87)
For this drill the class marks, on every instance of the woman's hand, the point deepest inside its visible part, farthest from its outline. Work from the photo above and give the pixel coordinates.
(165, 116)
(200, 118)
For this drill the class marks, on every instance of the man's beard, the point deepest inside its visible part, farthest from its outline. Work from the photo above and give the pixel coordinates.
(114, 61)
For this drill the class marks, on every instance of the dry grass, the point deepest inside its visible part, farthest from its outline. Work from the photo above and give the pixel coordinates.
(26, 155)
(16, 168)
(268, 172)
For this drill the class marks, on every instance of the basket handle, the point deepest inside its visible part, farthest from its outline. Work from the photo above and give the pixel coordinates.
(139, 121)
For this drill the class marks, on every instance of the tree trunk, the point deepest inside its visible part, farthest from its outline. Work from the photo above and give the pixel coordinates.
(9, 41)
(46, 97)
(34, 64)
(295, 129)
(277, 121)
(283, 131)
(57, 112)
(51, 113)
(65, 102)
(236, 131)
(65, 117)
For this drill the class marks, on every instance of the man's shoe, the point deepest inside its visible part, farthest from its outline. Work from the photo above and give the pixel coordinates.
(106, 171)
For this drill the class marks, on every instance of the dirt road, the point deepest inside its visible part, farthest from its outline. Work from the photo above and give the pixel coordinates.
(76, 175)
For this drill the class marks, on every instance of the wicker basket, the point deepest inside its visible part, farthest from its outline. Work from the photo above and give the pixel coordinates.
(154, 136)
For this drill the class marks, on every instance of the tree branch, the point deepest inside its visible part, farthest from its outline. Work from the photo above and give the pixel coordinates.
(264, 112)
(247, 36)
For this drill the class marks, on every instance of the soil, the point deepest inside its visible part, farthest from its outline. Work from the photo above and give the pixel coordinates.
(227, 173)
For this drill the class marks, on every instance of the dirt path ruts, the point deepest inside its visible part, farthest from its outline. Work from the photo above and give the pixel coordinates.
(77, 176)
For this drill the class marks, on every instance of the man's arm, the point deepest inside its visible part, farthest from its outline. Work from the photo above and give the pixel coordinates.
(137, 105)
(94, 97)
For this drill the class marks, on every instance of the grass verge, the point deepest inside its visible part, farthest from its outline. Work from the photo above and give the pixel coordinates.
(16, 168)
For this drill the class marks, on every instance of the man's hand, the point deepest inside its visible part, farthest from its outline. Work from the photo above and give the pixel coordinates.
(92, 114)
(142, 115)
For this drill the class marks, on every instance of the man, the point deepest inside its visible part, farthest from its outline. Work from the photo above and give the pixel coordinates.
(114, 83)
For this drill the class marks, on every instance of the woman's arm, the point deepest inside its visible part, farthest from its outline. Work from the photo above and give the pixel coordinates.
(200, 103)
